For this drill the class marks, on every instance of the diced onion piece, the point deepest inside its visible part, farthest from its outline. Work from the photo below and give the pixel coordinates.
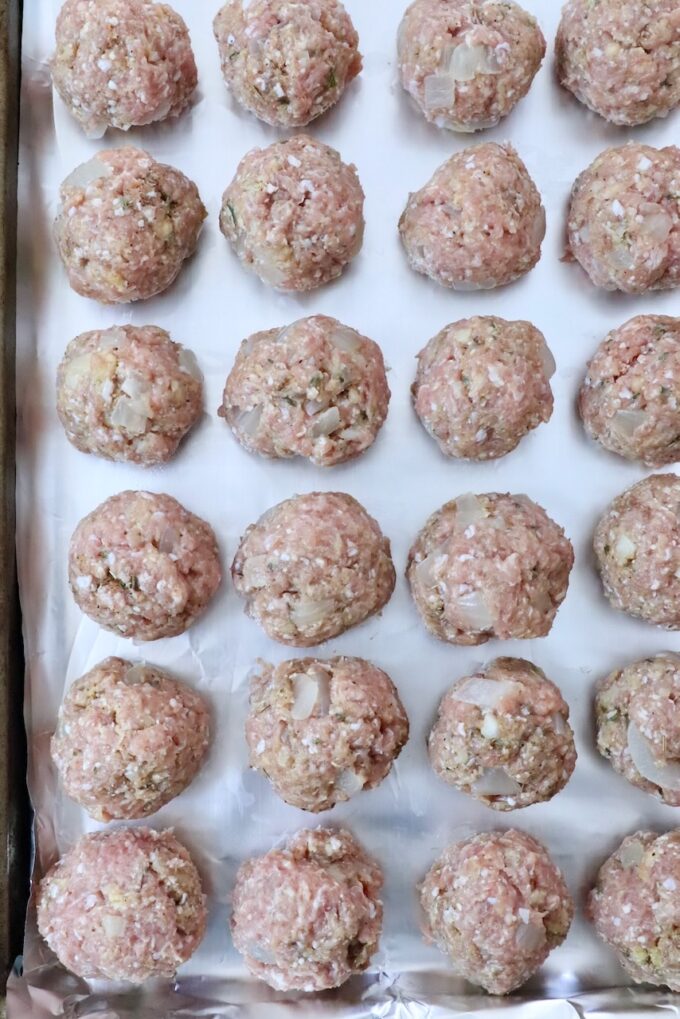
(490, 728)
(529, 937)
(467, 286)
(469, 61)
(351, 433)
(666, 776)
(168, 540)
(326, 422)
(248, 421)
(345, 338)
(255, 572)
(426, 571)
(631, 854)
(307, 613)
(130, 415)
(483, 692)
(626, 422)
(77, 369)
(474, 611)
(86, 173)
(439, 91)
(134, 385)
(135, 675)
(113, 925)
(113, 337)
(258, 952)
(656, 221)
(538, 227)
(548, 361)
(313, 407)
(349, 782)
(559, 723)
(96, 130)
(469, 510)
(269, 271)
(624, 550)
(189, 364)
(495, 782)
(621, 256)
(305, 695)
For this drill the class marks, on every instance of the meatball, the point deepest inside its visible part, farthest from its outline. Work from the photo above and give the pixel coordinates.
(488, 566)
(638, 729)
(503, 736)
(482, 384)
(312, 567)
(315, 389)
(294, 213)
(323, 730)
(143, 566)
(122, 63)
(621, 60)
(630, 398)
(624, 219)
(125, 225)
(287, 62)
(467, 63)
(634, 906)
(637, 547)
(129, 739)
(478, 223)
(125, 904)
(307, 917)
(128, 393)
(497, 905)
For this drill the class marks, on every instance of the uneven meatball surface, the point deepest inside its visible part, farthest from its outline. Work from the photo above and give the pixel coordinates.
(123, 904)
(287, 62)
(323, 730)
(497, 905)
(307, 917)
(488, 566)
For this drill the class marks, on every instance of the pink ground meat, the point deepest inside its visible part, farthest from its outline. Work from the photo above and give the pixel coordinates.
(129, 739)
(307, 917)
(478, 223)
(621, 57)
(482, 384)
(636, 908)
(312, 567)
(287, 61)
(122, 63)
(467, 63)
(497, 905)
(503, 736)
(125, 225)
(323, 730)
(125, 904)
(294, 213)
(488, 566)
(637, 547)
(315, 389)
(143, 566)
(624, 219)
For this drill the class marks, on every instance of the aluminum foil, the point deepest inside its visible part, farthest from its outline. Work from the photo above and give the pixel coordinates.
(229, 812)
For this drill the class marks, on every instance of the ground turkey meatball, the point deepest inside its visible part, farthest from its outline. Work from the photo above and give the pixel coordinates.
(285, 61)
(467, 63)
(294, 213)
(483, 384)
(129, 739)
(636, 909)
(307, 917)
(315, 389)
(323, 730)
(125, 225)
(128, 393)
(478, 223)
(503, 736)
(638, 726)
(637, 547)
(624, 219)
(497, 905)
(622, 59)
(312, 567)
(122, 63)
(125, 904)
(488, 566)
(143, 566)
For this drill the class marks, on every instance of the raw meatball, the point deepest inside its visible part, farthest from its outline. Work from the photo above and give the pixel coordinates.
(312, 567)
(125, 225)
(316, 389)
(624, 219)
(467, 63)
(638, 728)
(125, 904)
(488, 566)
(129, 739)
(482, 384)
(478, 223)
(143, 566)
(287, 62)
(634, 906)
(503, 736)
(294, 213)
(497, 905)
(637, 547)
(630, 398)
(128, 393)
(621, 59)
(122, 63)
(323, 730)
(307, 917)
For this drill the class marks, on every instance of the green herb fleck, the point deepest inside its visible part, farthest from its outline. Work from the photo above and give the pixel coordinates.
(331, 80)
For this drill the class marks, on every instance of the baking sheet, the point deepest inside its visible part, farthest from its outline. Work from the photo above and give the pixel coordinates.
(229, 812)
